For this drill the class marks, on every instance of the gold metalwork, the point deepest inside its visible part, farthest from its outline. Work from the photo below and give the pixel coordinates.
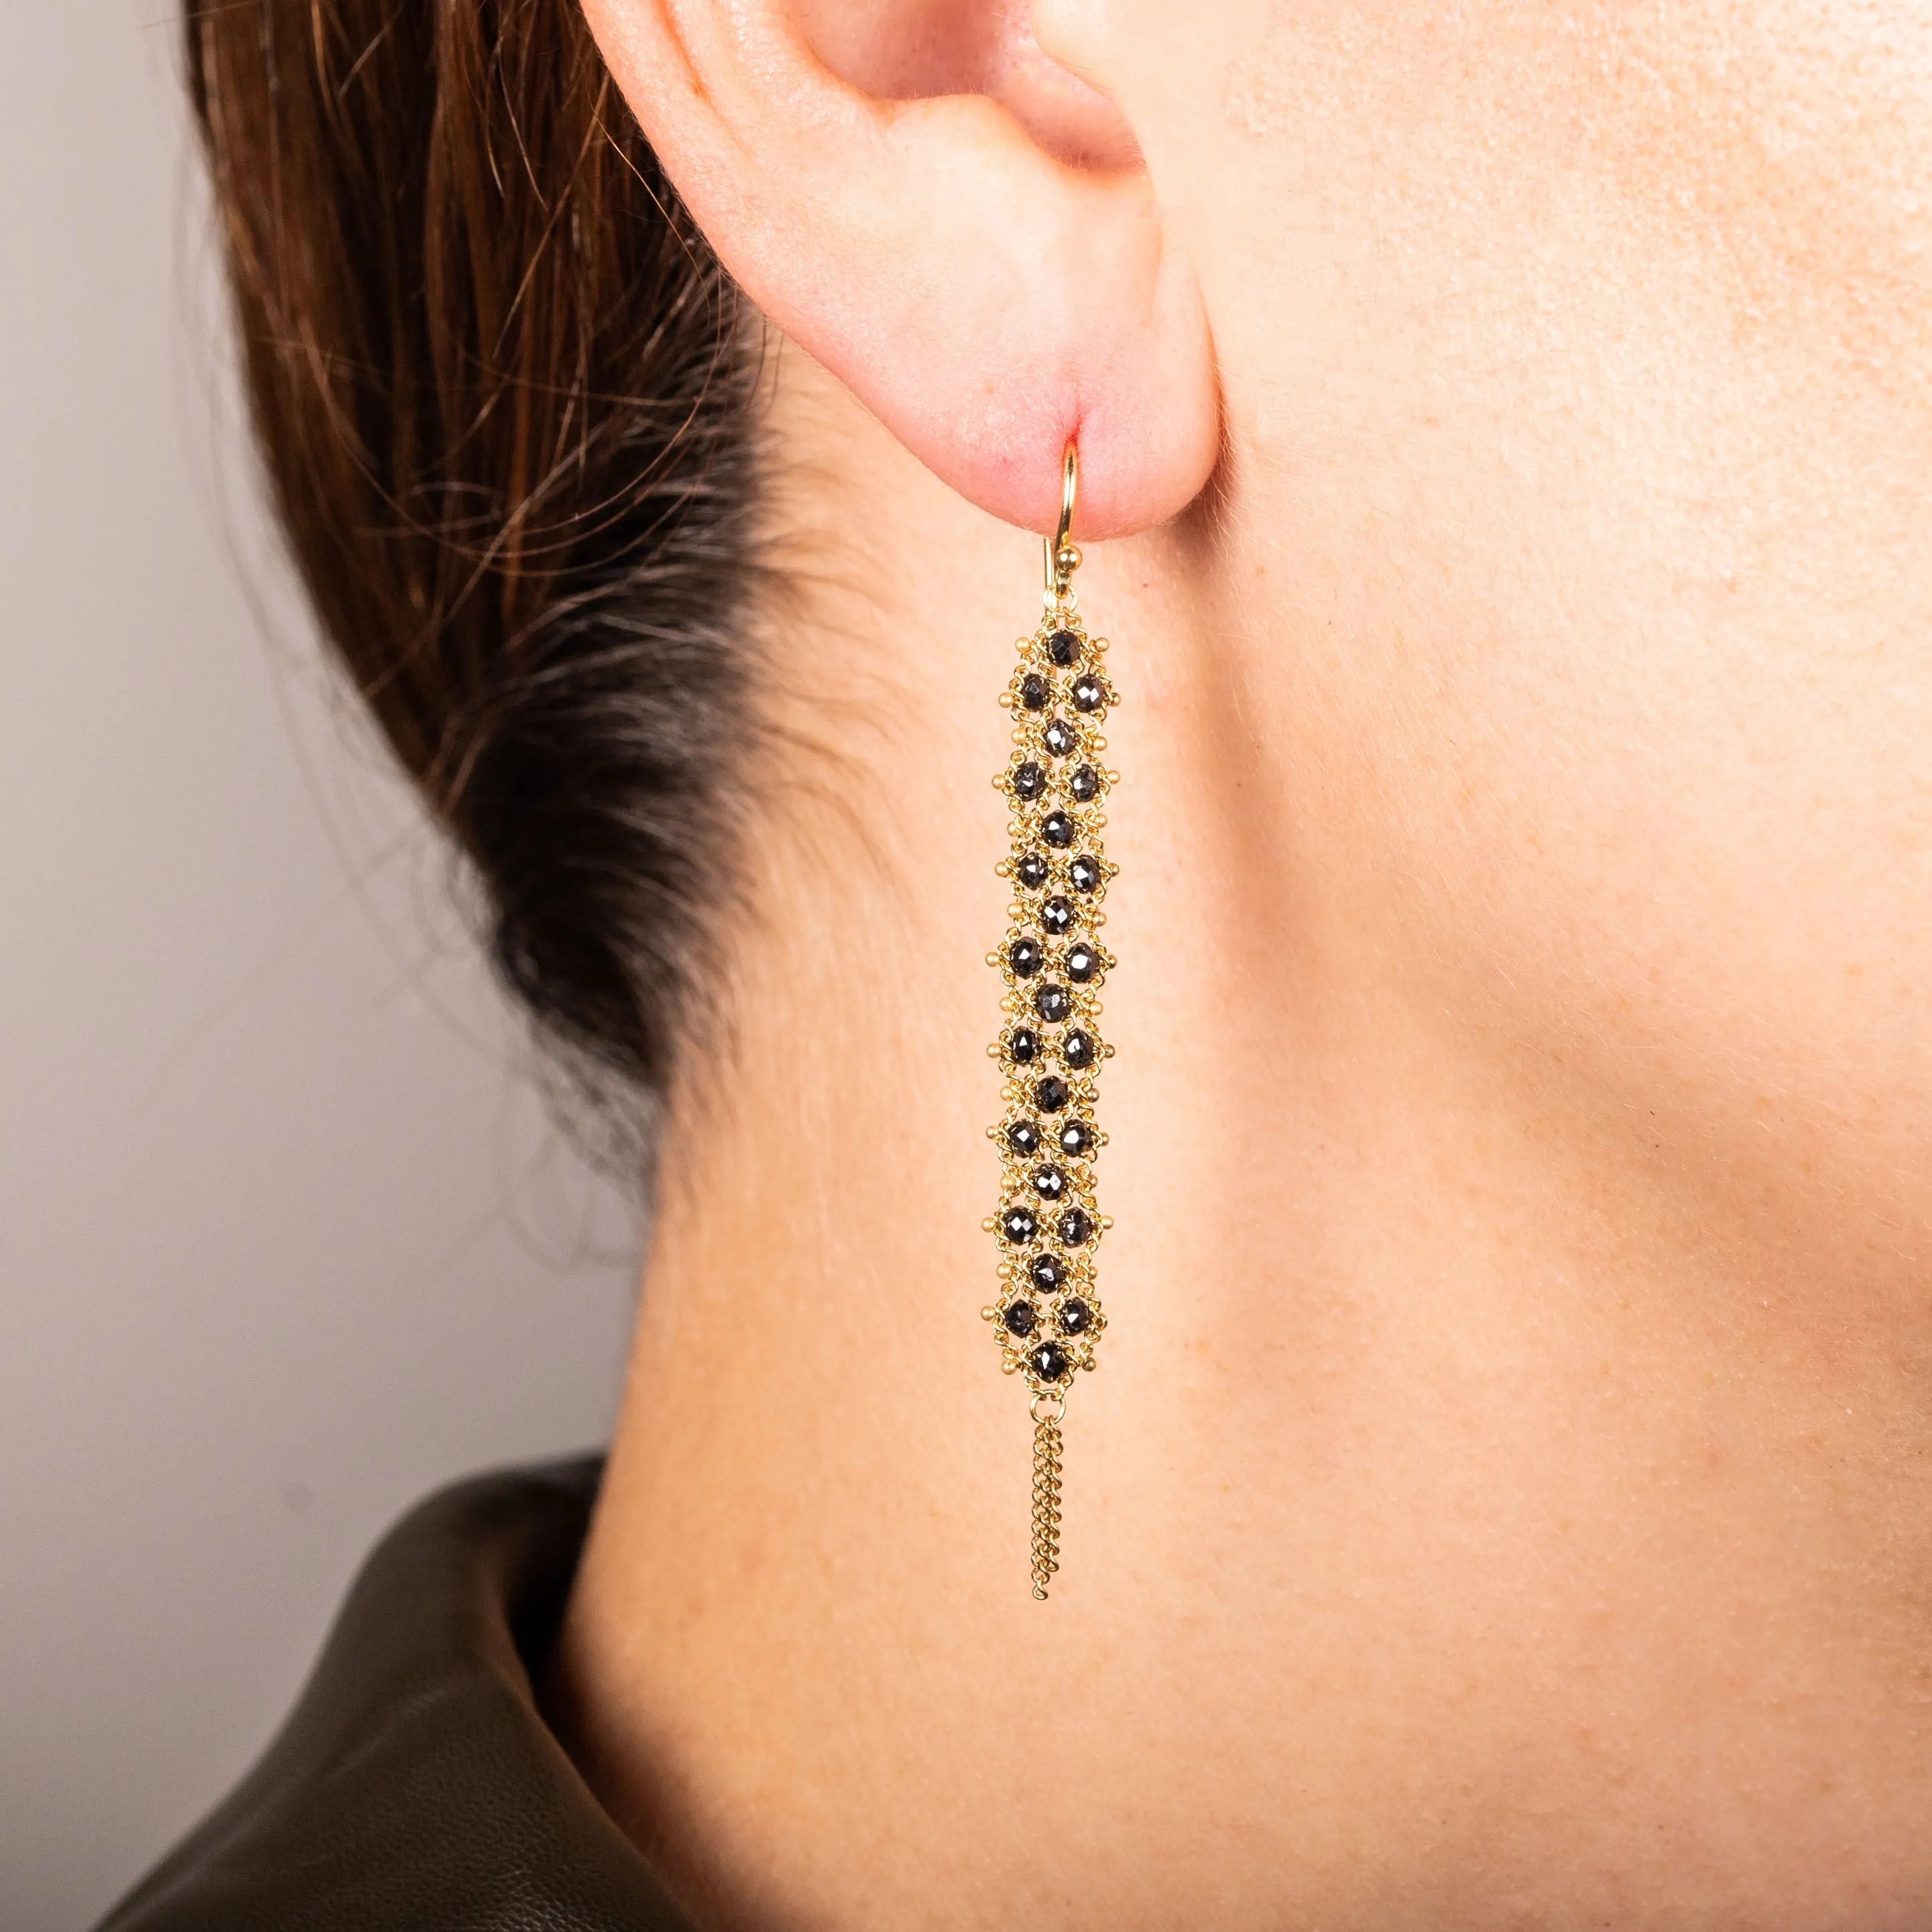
(1046, 1448)
(1062, 559)
(1048, 1315)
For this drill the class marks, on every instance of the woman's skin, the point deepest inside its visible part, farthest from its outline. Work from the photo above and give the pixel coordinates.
(1505, 1497)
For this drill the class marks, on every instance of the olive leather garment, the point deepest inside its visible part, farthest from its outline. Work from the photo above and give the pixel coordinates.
(415, 1787)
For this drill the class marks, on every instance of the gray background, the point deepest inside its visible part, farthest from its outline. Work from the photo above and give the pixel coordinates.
(284, 1238)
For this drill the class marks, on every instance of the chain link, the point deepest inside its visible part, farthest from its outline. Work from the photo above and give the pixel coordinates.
(1046, 1448)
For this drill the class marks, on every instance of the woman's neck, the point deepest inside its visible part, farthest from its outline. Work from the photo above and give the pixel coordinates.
(1457, 1504)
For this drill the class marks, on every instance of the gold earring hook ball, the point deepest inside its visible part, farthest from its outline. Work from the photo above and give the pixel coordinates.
(1063, 559)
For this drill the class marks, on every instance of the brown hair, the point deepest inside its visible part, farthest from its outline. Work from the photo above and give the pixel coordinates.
(497, 381)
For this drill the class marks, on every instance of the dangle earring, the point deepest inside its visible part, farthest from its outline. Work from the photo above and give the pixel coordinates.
(1048, 1315)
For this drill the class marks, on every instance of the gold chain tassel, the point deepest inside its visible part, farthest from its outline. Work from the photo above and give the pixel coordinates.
(1046, 1448)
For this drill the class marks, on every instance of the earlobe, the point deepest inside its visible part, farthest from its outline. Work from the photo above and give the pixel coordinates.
(988, 301)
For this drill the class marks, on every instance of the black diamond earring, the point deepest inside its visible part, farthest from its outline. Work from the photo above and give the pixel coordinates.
(1049, 1316)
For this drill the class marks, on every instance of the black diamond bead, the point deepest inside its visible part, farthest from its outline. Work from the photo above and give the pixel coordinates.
(1077, 1048)
(1023, 1045)
(1082, 962)
(1019, 1226)
(1023, 1137)
(1074, 1137)
(1076, 1318)
(1026, 957)
(1048, 1183)
(1052, 1093)
(1031, 872)
(1084, 873)
(1058, 829)
(1060, 737)
(1063, 647)
(1053, 1004)
(1089, 693)
(1021, 1318)
(1085, 783)
(1074, 1227)
(1050, 1362)
(1029, 780)
(1056, 916)
(1048, 1273)
(1034, 691)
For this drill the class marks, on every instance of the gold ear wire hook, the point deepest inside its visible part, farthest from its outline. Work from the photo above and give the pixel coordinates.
(1062, 559)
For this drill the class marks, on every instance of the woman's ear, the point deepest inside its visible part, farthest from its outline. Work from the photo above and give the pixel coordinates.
(985, 264)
